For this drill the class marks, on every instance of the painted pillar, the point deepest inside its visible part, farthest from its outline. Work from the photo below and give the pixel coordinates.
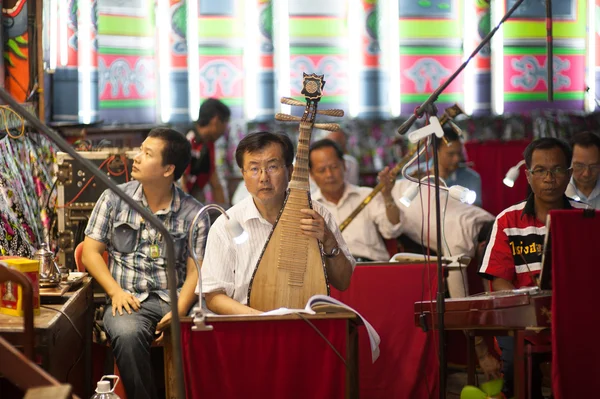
(126, 62)
(430, 51)
(318, 43)
(220, 52)
(525, 60)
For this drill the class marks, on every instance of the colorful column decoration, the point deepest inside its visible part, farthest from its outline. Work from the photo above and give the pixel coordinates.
(523, 80)
(430, 51)
(367, 74)
(477, 75)
(318, 43)
(16, 52)
(172, 62)
(259, 95)
(126, 62)
(593, 63)
(220, 52)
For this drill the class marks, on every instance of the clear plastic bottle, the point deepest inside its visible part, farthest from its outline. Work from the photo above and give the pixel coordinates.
(103, 389)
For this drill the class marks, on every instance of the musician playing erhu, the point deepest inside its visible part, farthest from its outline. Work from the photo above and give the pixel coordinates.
(265, 160)
(514, 252)
(381, 217)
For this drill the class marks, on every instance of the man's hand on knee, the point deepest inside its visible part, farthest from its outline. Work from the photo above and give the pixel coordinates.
(124, 300)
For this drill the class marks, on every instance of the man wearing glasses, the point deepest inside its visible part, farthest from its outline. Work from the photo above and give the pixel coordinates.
(585, 184)
(265, 160)
(513, 257)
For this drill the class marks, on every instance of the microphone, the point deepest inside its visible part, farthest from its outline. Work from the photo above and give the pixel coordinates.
(549, 61)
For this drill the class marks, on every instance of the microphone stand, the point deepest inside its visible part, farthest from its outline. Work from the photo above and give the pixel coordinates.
(429, 107)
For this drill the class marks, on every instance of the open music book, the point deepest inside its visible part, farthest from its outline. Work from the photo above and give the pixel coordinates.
(326, 304)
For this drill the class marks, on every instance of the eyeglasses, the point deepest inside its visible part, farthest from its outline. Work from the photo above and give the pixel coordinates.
(541, 173)
(580, 167)
(271, 170)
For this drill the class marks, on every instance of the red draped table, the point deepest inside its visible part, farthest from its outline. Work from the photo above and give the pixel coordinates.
(283, 357)
(271, 357)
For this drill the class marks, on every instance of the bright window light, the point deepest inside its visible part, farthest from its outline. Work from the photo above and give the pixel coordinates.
(281, 42)
(63, 10)
(163, 19)
(390, 46)
(469, 34)
(354, 52)
(84, 58)
(193, 60)
(251, 60)
(497, 58)
(53, 35)
(590, 103)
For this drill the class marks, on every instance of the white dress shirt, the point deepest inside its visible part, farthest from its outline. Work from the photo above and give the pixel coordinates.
(460, 222)
(593, 201)
(229, 267)
(363, 234)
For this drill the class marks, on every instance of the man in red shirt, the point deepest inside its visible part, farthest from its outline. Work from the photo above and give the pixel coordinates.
(513, 257)
(212, 123)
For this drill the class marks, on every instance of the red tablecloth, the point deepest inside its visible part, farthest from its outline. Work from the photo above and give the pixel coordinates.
(274, 360)
(575, 275)
(385, 296)
(265, 359)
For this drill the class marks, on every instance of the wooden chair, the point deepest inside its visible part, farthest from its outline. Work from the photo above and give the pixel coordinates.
(18, 368)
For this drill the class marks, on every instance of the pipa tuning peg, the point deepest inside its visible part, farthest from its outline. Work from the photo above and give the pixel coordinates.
(287, 118)
(292, 101)
(332, 127)
(331, 112)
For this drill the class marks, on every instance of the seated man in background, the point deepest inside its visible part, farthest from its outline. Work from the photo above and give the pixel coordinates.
(461, 226)
(265, 160)
(351, 173)
(585, 182)
(381, 217)
(136, 281)
(450, 155)
(514, 252)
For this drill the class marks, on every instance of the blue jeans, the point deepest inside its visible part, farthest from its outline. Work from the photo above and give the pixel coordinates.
(507, 346)
(131, 336)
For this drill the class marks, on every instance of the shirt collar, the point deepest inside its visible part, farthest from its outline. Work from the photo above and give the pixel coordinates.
(174, 206)
(349, 189)
(529, 208)
(251, 211)
(595, 192)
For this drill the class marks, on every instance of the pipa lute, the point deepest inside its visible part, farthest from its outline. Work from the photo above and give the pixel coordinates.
(291, 268)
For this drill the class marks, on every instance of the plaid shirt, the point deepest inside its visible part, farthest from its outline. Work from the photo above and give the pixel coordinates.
(129, 239)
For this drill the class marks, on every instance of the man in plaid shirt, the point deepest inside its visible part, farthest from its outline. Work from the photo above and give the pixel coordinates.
(135, 278)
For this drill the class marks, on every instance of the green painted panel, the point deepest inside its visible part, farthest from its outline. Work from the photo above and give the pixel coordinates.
(125, 26)
(430, 51)
(317, 50)
(317, 27)
(220, 27)
(541, 96)
(107, 104)
(430, 29)
(541, 51)
(560, 29)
